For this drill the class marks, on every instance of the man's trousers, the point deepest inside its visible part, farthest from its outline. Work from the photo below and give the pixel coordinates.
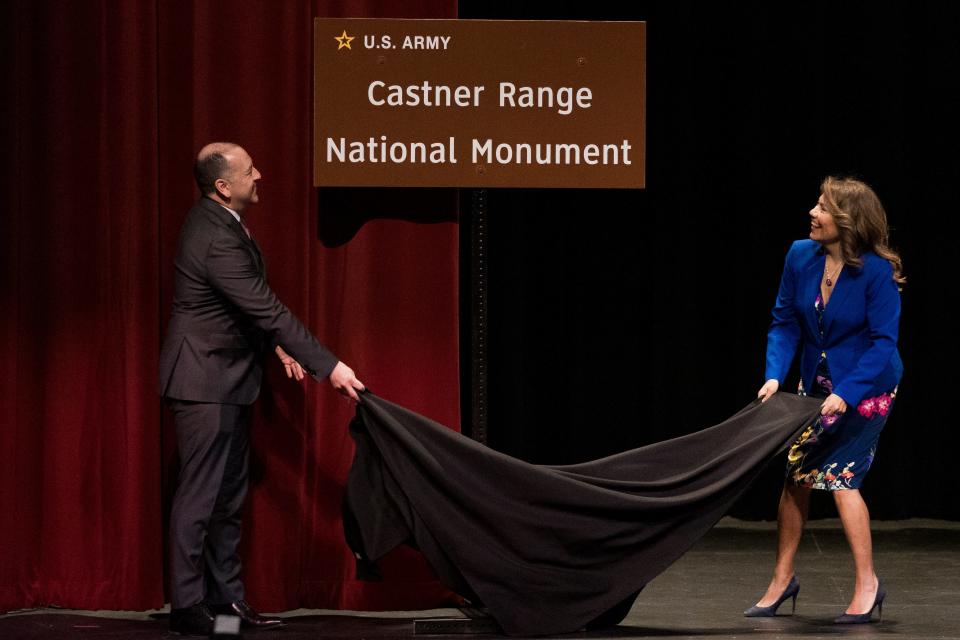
(205, 522)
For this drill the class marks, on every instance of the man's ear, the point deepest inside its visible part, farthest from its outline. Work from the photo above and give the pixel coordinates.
(223, 188)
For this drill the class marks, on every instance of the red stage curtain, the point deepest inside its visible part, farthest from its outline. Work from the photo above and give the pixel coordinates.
(110, 102)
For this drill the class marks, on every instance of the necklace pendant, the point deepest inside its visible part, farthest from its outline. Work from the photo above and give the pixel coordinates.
(829, 282)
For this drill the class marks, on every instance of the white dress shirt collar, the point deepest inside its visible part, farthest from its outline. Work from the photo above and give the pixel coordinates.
(234, 213)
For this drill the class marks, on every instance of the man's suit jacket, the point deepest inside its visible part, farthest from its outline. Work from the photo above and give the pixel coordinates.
(225, 317)
(860, 324)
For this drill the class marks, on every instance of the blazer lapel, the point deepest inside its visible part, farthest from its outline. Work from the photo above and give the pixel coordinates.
(840, 293)
(225, 217)
(813, 274)
(259, 256)
(249, 241)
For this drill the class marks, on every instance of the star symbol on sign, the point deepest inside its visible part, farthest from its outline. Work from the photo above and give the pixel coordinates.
(344, 40)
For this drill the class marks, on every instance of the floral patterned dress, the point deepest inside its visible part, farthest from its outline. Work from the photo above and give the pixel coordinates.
(835, 453)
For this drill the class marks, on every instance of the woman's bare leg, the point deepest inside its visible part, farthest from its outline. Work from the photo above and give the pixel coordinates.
(856, 525)
(791, 517)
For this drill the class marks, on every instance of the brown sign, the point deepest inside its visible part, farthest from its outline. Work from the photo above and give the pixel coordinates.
(478, 103)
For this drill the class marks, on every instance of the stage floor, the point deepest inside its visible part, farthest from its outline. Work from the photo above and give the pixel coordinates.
(702, 595)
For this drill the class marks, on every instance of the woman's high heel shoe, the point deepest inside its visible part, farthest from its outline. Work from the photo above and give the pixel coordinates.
(862, 618)
(792, 590)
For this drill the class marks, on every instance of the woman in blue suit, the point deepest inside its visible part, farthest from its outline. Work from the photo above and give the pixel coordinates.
(839, 305)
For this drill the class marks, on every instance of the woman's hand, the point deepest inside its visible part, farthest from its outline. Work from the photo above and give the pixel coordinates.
(294, 370)
(768, 389)
(833, 405)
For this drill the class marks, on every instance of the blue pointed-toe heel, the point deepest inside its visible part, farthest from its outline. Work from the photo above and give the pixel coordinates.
(863, 618)
(792, 590)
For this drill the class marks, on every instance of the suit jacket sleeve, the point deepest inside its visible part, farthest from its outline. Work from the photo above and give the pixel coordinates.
(784, 334)
(231, 269)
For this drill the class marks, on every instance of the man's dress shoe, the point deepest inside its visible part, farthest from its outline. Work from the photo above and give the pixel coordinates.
(192, 621)
(248, 615)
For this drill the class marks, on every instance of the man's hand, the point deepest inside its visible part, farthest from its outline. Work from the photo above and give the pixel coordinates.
(294, 370)
(768, 389)
(833, 405)
(344, 381)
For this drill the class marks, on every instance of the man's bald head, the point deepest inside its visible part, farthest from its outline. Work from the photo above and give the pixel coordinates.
(225, 173)
(213, 162)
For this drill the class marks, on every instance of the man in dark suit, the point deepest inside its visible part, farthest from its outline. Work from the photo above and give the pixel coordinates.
(224, 319)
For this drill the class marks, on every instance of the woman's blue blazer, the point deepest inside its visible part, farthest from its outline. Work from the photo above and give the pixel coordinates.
(860, 324)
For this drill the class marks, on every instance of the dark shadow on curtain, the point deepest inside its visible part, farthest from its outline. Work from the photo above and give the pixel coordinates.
(342, 211)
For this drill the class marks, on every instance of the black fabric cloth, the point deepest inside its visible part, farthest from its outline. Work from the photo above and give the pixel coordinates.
(550, 549)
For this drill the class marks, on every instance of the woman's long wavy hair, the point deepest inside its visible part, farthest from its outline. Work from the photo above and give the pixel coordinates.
(861, 222)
